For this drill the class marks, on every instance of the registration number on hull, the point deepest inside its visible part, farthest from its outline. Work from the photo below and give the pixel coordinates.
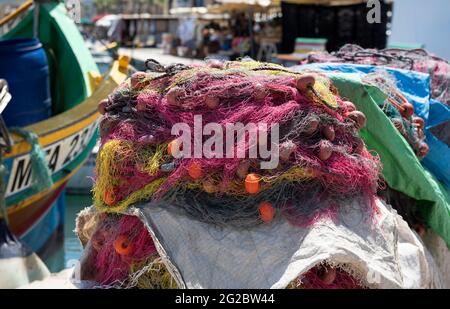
(58, 155)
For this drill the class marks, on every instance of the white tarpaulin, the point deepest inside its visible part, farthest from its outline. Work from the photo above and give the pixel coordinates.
(382, 251)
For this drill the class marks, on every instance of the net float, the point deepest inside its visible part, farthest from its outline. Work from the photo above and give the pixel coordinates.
(349, 106)
(102, 106)
(141, 106)
(242, 169)
(215, 64)
(423, 150)
(174, 95)
(252, 183)
(325, 150)
(398, 124)
(359, 146)
(419, 122)
(137, 80)
(195, 170)
(108, 197)
(123, 246)
(173, 148)
(329, 133)
(286, 150)
(259, 91)
(358, 117)
(167, 167)
(407, 110)
(305, 81)
(212, 102)
(311, 127)
(266, 212)
(420, 133)
(326, 275)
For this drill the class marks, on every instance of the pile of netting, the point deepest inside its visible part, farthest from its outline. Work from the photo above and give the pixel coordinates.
(417, 60)
(401, 113)
(122, 254)
(320, 159)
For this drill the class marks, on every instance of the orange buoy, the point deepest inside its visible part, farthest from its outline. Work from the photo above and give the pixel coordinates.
(123, 246)
(407, 110)
(195, 170)
(108, 197)
(252, 183)
(266, 211)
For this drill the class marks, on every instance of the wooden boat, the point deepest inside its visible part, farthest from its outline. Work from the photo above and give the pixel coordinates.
(66, 138)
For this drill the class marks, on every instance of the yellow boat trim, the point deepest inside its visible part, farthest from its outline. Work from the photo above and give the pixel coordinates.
(56, 128)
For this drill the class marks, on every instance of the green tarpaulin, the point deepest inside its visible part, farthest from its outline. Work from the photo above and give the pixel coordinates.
(401, 168)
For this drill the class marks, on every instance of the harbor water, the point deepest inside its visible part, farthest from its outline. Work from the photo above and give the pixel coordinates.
(68, 252)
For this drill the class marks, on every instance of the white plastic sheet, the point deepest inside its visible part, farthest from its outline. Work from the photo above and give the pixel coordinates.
(381, 251)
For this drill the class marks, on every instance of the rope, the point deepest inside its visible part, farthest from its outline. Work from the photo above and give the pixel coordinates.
(40, 173)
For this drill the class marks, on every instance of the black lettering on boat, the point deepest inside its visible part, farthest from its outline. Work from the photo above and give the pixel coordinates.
(85, 137)
(73, 145)
(22, 175)
(53, 161)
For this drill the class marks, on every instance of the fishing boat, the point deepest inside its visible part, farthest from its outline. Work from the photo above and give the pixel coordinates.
(67, 137)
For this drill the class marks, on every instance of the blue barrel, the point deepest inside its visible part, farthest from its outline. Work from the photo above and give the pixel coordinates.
(24, 65)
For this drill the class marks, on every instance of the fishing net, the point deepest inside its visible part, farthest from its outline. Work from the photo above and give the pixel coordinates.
(417, 60)
(326, 276)
(400, 111)
(302, 124)
(321, 158)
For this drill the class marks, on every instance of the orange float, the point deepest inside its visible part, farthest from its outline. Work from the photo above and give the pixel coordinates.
(172, 148)
(195, 170)
(108, 197)
(123, 246)
(252, 183)
(266, 211)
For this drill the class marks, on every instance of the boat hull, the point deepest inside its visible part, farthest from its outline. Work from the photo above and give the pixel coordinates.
(67, 140)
